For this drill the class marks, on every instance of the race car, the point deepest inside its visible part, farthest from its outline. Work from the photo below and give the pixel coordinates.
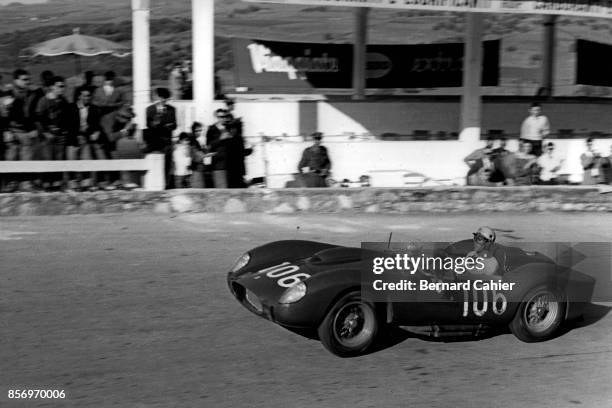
(329, 290)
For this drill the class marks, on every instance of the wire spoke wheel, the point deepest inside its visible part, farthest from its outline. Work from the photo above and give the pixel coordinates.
(354, 324)
(541, 312)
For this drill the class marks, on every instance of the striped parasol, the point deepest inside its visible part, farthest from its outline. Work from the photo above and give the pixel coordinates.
(78, 45)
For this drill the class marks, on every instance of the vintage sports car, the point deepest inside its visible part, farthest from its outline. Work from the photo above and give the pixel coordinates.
(306, 285)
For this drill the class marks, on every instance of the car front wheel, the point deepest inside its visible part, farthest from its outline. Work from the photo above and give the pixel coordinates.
(539, 316)
(350, 326)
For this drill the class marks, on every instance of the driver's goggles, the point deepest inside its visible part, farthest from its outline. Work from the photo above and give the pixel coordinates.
(479, 238)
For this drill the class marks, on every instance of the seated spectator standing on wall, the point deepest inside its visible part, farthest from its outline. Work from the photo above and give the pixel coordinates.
(480, 165)
(315, 164)
(591, 162)
(535, 128)
(19, 135)
(525, 166)
(115, 126)
(550, 165)
(127, 147)
(503, 164)
(84, 119)
(52, 121)
(161, 121)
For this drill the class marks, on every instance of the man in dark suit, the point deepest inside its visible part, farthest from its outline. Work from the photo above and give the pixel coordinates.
(85, 141)
(161, 122)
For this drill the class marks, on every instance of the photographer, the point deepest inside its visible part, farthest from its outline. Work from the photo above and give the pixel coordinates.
(591, 163)
(481, 166)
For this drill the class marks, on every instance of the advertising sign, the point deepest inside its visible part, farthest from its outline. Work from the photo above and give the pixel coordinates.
(277, 67)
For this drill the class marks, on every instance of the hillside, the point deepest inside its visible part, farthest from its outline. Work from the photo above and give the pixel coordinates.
(23, 25)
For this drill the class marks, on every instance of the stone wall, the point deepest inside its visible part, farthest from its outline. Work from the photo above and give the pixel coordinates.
(373, 200)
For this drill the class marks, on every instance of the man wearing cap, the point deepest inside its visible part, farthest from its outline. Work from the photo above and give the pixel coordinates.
(315, 164)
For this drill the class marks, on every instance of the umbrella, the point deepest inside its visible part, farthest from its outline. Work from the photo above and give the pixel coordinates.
(77, 45)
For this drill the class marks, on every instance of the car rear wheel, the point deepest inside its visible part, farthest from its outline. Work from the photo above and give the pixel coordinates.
(350, 326)
(539, 316)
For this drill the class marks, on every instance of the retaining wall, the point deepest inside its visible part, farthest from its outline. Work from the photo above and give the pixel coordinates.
(337, 200)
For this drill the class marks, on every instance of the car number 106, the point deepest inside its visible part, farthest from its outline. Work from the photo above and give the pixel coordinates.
(499, 303)
(286, 273)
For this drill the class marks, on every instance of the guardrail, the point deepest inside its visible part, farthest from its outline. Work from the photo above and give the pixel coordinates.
(153, 166)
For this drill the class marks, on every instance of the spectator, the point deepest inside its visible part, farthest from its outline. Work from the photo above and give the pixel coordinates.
(480, 165)
(46, 81)
(109, 97)
(187, 80)
(161, 121)
(128, 147)
(525, 169)
(503, 163)
(115, 126)
(201, 170)
(52, 122)
(21, 136)
(535, 128)
(315, 163)
(591, 162)
(550, 165)
(87, 85)
(176, 82)
(181, 155)
(606, 167)
(84, 119)
(217, 140)
(236, 153)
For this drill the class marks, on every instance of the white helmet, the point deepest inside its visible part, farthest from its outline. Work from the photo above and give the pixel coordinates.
(485, 232)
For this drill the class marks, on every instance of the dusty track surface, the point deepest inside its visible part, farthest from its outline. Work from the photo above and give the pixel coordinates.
(133, 311)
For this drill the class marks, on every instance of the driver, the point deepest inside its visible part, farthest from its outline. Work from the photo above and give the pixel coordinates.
(484, 247)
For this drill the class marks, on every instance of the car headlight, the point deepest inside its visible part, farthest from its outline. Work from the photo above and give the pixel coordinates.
(293, 294)
(241, 262)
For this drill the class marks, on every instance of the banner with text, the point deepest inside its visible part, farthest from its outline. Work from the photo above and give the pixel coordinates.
(286, 67)
(581, 8)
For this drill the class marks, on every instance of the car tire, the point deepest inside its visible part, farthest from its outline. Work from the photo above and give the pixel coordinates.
(540, 315)
(350, 327)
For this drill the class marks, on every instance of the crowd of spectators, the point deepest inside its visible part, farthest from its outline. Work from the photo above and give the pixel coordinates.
(39, 123)
(96, 123)
(535, 162)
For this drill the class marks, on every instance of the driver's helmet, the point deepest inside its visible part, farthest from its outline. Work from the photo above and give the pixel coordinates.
(485, 233)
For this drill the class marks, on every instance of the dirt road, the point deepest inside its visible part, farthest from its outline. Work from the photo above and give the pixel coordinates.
(133, 311)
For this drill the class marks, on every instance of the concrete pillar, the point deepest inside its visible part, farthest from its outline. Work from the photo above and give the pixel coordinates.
(155, 177)
(141, 60)
(472, 74)
(203, 44)
(360, 51)
(548, 60)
